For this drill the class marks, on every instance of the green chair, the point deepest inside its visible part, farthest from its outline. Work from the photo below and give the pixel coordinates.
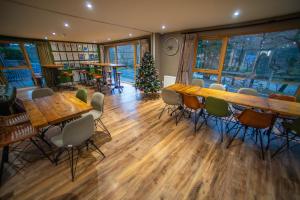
(219, 109)
(291, 133)
(82, 95)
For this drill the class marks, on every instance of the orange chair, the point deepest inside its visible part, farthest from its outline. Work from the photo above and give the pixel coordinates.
(258, 121)
(193, 105)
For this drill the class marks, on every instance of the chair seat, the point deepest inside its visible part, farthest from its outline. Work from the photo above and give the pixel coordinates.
(54, 135)
(57, 140)
(95, 113)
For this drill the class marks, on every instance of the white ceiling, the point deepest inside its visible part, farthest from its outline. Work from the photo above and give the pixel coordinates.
(115, 19)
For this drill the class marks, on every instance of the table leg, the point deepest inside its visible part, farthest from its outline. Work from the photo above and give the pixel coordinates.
(41, 149)
(5, 154)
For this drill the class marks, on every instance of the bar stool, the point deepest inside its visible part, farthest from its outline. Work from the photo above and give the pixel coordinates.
(82, 76)
(109, 78)
(98, 79)
(118, 82)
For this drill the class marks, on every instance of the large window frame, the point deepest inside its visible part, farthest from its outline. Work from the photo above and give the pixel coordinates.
(28, 65)
(225, 39)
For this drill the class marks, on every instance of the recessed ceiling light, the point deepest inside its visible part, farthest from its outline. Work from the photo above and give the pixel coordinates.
(163, 27)
(88, 5)
(66, 25)
(109, 39)
(46, 38)
(236, 13)
(130, 34)
(53, 33)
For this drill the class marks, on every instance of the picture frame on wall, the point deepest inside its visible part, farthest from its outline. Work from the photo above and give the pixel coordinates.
(61, 46)
(91, 56)
(63, 56)
(90, 47)
(81, 56)
(85, 47)
(79, 47)
(68, 46)
(54, 46)
(86, 56)
(70, 56)
(75, 56)
(95, 47)
(56, 56)
(74, 46)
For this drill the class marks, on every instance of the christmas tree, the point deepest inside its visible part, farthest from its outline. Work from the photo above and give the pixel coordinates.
(147, 76)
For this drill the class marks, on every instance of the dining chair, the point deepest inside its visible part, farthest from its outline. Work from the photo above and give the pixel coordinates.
(250, 118)
(291, 133)
(220, 110)
(247, 91)
(198, 82)
(82, 95)
(192, 104)
(97, 103)
(41, 92)
(217, 86)
(173, 102)
(74, 135)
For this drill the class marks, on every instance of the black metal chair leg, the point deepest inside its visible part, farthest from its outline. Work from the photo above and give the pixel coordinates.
(163, 110)
(234, 136)
(71, 159)
(41, 149)
(99, 151)
(5, 155)
(261, 144)
(104, 127)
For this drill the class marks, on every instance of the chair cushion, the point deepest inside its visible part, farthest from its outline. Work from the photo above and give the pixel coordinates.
(57, 140)
(96, 114)
(52, 131)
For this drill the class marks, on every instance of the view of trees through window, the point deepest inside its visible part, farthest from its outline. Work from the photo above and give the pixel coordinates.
(12, 56)
(268, 62)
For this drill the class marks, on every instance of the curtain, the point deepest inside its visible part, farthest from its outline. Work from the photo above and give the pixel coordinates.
(145, 47)
(102, 54)
(44, 53)
(186, 61)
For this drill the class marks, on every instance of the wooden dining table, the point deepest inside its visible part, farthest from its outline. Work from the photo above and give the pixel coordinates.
(276, 106)
(54, 109)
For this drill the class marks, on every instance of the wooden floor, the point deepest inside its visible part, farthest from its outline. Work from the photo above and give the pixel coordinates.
(148, 158)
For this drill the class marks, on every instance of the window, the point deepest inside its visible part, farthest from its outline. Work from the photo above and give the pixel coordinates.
(268, 62)
(11, 55)
(125, 55)
(33, 57)
(208, 54)
(112, 54)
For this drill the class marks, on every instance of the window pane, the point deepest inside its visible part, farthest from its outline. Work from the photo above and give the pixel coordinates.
(138, 52)
(126, 56)
(19, 77)
(33, 57)
(11, 55)
(208, 54)
(208, 78)
(268, 62)
(112, 58)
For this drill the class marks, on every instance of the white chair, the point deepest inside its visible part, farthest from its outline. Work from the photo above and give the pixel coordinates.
(172, 100)
(42, 92)
(217, 86)
(198, 82)
(97, 103)
(73, 135)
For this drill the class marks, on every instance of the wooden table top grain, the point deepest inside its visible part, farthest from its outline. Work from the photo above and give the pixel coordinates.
(267, 104)
(54, 109)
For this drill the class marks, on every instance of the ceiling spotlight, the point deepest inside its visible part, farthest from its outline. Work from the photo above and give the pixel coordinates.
(109, 39)
(88, 5)
(163, 27)
(236, 13)
(46, 38)
(130, 34)
(66, 25)
(53, 33)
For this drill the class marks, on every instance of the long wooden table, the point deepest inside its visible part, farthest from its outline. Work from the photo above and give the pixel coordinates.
(267, 104)
(54, 109)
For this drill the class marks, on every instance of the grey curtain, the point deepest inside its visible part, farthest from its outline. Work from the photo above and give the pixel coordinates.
(44, 52)
(145, 47)
(186, 61)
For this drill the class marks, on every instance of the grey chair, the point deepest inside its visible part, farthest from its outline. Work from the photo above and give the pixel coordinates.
(97, 103)
(217, 86)
(42, 92)
(172, 100)
(73, 135)
(248, 91)
(198, 82)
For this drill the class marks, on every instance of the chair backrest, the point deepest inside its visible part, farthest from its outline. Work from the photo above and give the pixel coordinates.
(97, 101)
(217, 107)
(192, 102)
(198, 82)
(255, 119)
(78, 131)
(42, 92)
(171, 97)
(82, 95)
(248, 91)
(217, 86)
(283, 97)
